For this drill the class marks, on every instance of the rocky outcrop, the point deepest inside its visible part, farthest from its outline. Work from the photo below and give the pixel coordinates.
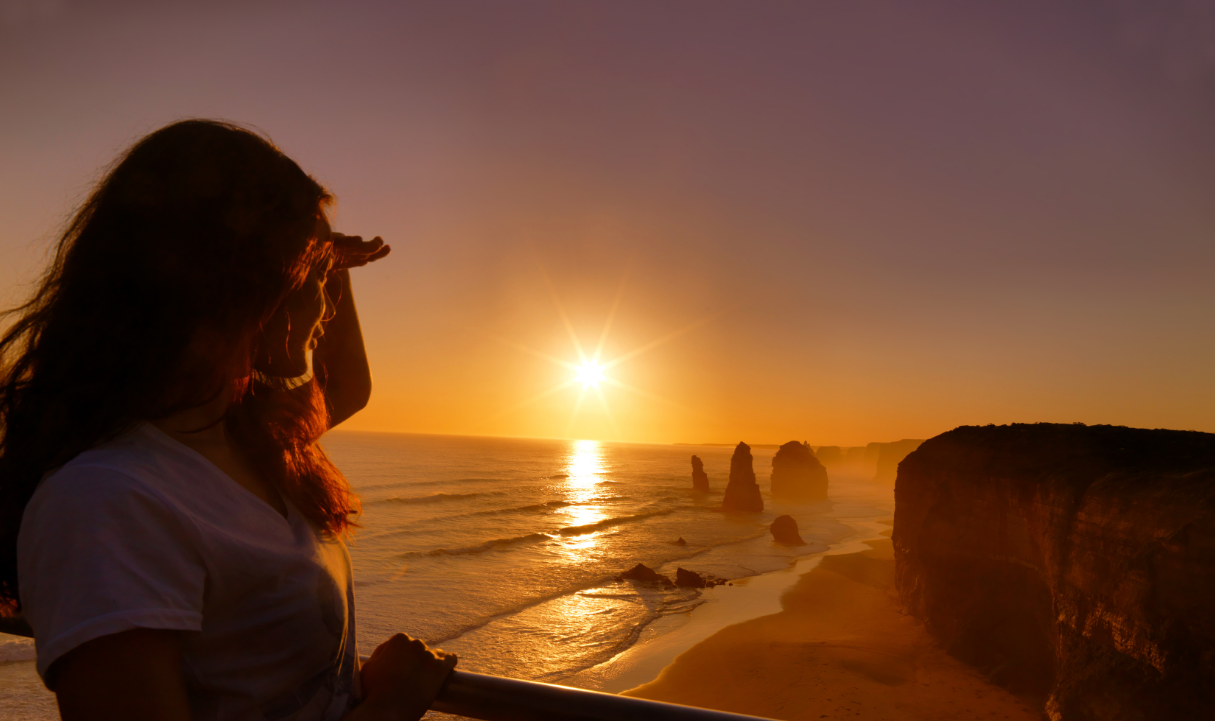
(742, 492)
(645, 574)
(700, 479)
(797, 476)
(784, 531)
(692, 579)
(829, 455)
(1070, 561)
(889, 455)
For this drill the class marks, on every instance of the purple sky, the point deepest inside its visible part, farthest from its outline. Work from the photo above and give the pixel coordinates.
(896, 217)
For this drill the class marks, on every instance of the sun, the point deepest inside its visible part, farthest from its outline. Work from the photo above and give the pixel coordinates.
(590, 373)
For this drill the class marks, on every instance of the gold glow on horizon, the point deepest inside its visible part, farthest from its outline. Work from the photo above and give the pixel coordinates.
(590, 372)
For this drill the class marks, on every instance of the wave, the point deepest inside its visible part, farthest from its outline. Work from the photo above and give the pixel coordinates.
(17, 649)
(437, 497)
(450, 481)
(609, 522)
(497, 543)
(543, 507)
(677, 596)
(532, 508)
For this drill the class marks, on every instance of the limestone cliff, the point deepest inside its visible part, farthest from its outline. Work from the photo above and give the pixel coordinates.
(887, 457)
(797, 476)
(700, 479)
(742, 492)
(829, 455)
(1070, 561)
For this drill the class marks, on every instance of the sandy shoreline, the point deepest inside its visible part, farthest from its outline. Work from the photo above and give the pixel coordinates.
(840, 647)
(747, 598)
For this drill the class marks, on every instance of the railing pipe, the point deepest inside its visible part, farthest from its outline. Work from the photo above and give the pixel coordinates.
(492, 698)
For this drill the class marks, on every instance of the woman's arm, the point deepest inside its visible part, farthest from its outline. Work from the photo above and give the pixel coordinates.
(134, 676)
(341, 353)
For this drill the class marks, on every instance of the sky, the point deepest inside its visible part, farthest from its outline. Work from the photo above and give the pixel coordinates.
(831, 221)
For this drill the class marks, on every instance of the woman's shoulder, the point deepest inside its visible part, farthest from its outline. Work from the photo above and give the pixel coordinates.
(135, 461)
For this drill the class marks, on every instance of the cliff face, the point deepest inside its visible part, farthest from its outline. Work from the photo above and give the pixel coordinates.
(742, 493)
(829, 455)
(1070, 561)
(797, 476)
(700, 479)
(887, 457)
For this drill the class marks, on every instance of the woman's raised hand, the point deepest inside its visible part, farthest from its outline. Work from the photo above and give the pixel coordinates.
(351, 251)
(402, 679)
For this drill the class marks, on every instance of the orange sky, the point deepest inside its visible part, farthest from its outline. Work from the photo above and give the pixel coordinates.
(887, 221)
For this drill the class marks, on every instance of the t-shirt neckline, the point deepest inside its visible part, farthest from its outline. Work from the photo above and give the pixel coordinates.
(165, 439)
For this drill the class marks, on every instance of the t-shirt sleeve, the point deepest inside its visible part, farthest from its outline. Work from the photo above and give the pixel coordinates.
(98, 553)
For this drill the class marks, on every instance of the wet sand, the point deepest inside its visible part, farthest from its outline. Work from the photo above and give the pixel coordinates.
(841, 649)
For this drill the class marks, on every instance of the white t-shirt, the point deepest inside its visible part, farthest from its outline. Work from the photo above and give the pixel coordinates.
(143, 532)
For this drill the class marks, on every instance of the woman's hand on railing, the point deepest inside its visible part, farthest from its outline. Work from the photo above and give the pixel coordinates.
(401, 679)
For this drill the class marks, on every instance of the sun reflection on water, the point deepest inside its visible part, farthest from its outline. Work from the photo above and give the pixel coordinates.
(584, 470)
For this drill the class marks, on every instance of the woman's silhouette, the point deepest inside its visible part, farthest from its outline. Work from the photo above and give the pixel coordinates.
(169, 527)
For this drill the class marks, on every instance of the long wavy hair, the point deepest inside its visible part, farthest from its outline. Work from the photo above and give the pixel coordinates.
(200, 230)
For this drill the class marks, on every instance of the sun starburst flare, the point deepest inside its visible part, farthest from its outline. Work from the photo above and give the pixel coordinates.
(590, 372)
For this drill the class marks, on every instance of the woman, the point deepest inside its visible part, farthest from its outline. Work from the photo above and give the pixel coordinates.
(169, 527)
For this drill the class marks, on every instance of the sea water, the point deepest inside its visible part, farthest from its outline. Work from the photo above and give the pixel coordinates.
(506, 551)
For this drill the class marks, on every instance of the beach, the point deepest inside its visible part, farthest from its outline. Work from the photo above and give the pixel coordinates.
(840, 647)
(824, 638)
(434, 507)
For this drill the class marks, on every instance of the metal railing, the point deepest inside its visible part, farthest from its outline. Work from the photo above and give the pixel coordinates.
(493, 698)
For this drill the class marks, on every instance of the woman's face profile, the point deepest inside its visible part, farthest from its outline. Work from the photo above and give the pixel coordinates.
(292, 333)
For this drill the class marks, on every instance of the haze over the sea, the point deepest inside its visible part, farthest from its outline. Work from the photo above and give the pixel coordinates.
(871, 221)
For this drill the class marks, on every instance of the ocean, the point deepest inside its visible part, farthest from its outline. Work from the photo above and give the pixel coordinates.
(505, 551)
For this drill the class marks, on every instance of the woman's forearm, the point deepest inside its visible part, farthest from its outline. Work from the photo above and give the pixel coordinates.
(340, 354)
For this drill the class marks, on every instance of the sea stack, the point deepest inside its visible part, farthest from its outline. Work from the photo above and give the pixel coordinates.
(797, 476)
(1076, 562)
(742, 493)
(784, 531)
(700, 479)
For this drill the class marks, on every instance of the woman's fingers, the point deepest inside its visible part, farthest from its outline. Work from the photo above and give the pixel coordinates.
(405, 676)
(351, 251)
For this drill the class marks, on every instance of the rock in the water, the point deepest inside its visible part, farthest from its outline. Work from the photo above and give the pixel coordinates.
(692, 579)
(1069, 561)
(797, 476)
(784, 530)
(700, 479)
(645, 574)
(742, 493)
